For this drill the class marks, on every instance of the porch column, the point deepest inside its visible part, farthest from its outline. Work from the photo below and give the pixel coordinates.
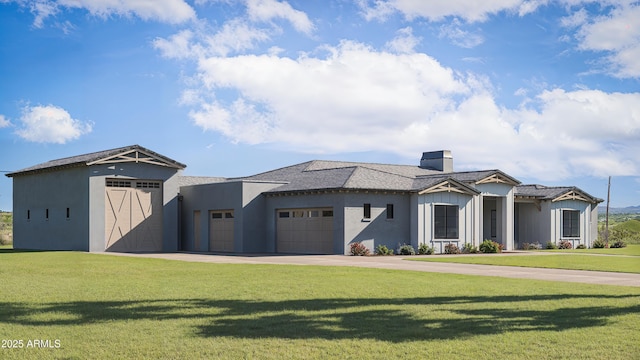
(507, 221)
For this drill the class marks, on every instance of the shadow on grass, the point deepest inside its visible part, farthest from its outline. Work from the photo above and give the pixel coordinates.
(394, 320)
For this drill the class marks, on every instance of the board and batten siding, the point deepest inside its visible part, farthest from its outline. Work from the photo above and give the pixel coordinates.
(533, 224)
(585, 221)
(466, 218)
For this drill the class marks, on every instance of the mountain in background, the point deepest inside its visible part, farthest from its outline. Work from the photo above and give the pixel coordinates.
(624, 210)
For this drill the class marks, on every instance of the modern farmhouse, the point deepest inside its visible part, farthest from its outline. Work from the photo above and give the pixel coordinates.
(133, 199)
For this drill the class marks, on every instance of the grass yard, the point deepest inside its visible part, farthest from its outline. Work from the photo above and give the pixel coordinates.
(99, 306)
(628, 264)
(631, 249)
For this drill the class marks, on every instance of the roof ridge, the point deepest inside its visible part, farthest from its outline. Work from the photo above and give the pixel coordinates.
(277, 169)
(388, 172)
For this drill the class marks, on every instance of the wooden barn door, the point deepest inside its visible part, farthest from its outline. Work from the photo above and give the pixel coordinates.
(133, 215)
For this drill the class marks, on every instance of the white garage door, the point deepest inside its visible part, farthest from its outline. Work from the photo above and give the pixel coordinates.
(133, 215)
(305, 231)
(221, 224)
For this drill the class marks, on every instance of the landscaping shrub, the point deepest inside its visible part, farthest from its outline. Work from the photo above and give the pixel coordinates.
(599, 244)
(383, 250)
(451, 249)
(581, 246)
(551, 245)
(358, 249)
(406, 250)
(564, 244)
(489, 246)
(425, 249)
(618, 244)
(468, 248)
(531, 246)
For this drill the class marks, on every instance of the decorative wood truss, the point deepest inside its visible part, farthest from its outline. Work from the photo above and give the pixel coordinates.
(497, 178)
(447, 186)
(573, 195)
(135, 156)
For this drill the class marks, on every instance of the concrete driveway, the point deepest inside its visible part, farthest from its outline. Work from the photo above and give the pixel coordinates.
(398, 263)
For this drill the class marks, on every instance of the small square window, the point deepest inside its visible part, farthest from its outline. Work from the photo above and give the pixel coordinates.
(216, 215)
(228, 215)
(327, 213)
(283, 214)
(367, 211)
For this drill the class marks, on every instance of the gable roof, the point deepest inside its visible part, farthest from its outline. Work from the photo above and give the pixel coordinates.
(554, 193)
(132, 153)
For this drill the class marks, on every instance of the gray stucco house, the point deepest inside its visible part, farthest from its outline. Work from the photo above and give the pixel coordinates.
(133, 199)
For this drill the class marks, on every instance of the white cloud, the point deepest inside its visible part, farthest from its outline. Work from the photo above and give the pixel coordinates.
(576, 19)
(266, 10)
(470, 11)
(459, 37)
(404, 42)
(4, 122)
(356, 98)
(235, 36)
(42, 10)
(168, 11)
(178, 46)
(616, 33)
(50, 124)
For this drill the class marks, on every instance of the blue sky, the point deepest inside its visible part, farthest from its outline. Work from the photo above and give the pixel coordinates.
(547, 91)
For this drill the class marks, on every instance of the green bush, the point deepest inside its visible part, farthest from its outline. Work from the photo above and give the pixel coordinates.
(598, 244)
(626, 236)
(564, 244)
(531, 246)
(406, 250)
(581, 246)
(468, 248)
(358, 249)
(451, 249)
(618, 244)
(383, 250)
(425, 249)
(551, 245)
(489, 247)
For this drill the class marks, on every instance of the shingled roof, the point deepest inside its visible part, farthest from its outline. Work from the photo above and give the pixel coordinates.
(340, 175)
(88, 159)
(542, 192)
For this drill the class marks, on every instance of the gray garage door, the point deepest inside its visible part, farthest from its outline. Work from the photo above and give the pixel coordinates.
(305, 231)
(133, 215)
(221, 224)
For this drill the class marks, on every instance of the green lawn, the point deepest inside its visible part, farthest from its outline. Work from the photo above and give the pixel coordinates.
(631, 249)
(629, 264)
(101, 306)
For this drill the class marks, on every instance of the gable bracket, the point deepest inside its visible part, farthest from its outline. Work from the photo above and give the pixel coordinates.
(445, 186)
(572, 195)
(135, 156)
(496, 179)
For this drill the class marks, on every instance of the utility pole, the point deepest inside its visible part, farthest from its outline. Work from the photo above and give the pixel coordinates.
(606, 223)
